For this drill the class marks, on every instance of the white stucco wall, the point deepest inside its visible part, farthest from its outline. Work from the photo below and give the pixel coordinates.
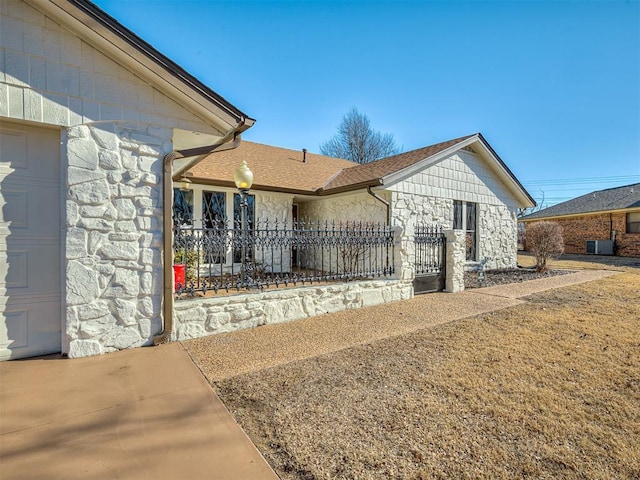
(427, 197)
(360, 207)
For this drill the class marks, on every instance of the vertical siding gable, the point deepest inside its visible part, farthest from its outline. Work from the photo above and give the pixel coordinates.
(50, 75)
(462, 176)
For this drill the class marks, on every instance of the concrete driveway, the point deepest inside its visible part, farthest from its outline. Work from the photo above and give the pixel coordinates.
(135, 414)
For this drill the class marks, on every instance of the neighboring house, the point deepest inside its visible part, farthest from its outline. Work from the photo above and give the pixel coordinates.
(610, 216)
(460, 184)
(92, 122)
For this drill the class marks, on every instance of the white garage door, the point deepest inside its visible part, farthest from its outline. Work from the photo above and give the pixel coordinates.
(30, 225)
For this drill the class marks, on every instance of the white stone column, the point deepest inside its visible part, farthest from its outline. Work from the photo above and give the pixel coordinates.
(456, 257)
(403, 268)
(113, 246)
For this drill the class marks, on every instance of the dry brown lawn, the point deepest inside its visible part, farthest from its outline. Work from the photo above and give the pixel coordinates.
(547, 389)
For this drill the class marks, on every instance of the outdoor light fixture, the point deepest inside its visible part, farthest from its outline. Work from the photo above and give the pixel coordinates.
(243, 176)
(185, 183)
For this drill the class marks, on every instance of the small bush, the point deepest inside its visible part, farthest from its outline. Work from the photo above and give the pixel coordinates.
(544, 240)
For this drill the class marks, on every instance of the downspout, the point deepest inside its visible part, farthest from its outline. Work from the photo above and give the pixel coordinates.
(380, 199)
(167, 220)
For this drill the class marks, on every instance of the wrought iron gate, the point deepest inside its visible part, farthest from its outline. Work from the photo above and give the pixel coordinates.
(429, 259)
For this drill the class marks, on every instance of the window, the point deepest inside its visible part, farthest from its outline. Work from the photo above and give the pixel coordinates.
(465, 216)
(213, 210)
(214, 223)
(182, 207)
(633, 222)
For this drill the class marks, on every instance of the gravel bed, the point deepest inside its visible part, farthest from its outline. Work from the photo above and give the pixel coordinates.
(504, 276)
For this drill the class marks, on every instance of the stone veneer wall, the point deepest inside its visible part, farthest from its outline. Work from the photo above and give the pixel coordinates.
(208, 316)
(113, 236)
(427, 197)
(120, 126)
(276, 210)
(355, 207)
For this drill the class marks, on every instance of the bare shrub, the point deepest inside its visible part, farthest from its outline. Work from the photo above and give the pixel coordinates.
(544, 240)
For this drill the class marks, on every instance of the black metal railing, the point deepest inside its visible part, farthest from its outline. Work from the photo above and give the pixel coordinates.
(275, 254)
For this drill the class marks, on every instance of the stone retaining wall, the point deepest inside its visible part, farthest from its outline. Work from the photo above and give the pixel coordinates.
(199, 317)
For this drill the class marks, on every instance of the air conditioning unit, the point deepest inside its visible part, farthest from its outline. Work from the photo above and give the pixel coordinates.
(600, 247)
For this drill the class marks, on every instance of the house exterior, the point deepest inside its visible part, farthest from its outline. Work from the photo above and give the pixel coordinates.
(605, 215)
(461, 185)
(93, 122)
(96, 130)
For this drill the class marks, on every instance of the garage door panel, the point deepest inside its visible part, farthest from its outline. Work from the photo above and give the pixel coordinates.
(13, 149)
(31, 269)
(14, 329)
(14, 271)
(30, 232)
(13, 209)
(29, 209)
(29, 328)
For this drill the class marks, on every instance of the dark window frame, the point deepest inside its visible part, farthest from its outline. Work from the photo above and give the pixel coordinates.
(465, 217)
(633, 226)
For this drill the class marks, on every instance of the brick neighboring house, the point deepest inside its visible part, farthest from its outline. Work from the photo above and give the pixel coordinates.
(611, 214)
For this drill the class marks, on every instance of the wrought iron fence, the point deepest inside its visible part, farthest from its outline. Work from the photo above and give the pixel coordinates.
(430, 243)
(274, 254)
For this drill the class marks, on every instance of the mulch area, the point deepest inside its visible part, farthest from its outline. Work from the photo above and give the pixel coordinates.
(502, 277)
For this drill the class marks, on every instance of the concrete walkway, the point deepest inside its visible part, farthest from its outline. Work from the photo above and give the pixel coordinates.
(230, 354)
(145, 413)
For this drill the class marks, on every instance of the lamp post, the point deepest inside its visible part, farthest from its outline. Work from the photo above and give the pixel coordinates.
(243, 178)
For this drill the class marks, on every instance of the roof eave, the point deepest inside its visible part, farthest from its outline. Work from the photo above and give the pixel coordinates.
(255, 186)
(529, 218)
(519, 187)
(349, 188)
(403, 173)
(109, 36)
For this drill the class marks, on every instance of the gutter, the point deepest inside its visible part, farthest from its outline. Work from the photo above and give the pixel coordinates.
(350, 187)
(380, 199)
(230, 140)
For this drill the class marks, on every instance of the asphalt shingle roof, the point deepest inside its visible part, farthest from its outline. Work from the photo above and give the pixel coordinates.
(281, 169)
(369, 172)
(618, 198)
(273, 168)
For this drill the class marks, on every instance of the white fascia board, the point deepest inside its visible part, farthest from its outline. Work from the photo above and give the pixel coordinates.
(116, 48)
(411, 170)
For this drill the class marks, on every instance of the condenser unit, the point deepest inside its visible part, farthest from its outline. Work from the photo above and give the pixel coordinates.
(600, 247)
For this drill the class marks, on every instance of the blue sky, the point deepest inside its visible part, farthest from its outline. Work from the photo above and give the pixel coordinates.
(553, 86)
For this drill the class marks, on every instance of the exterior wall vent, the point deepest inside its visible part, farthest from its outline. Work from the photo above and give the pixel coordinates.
(600, 247)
